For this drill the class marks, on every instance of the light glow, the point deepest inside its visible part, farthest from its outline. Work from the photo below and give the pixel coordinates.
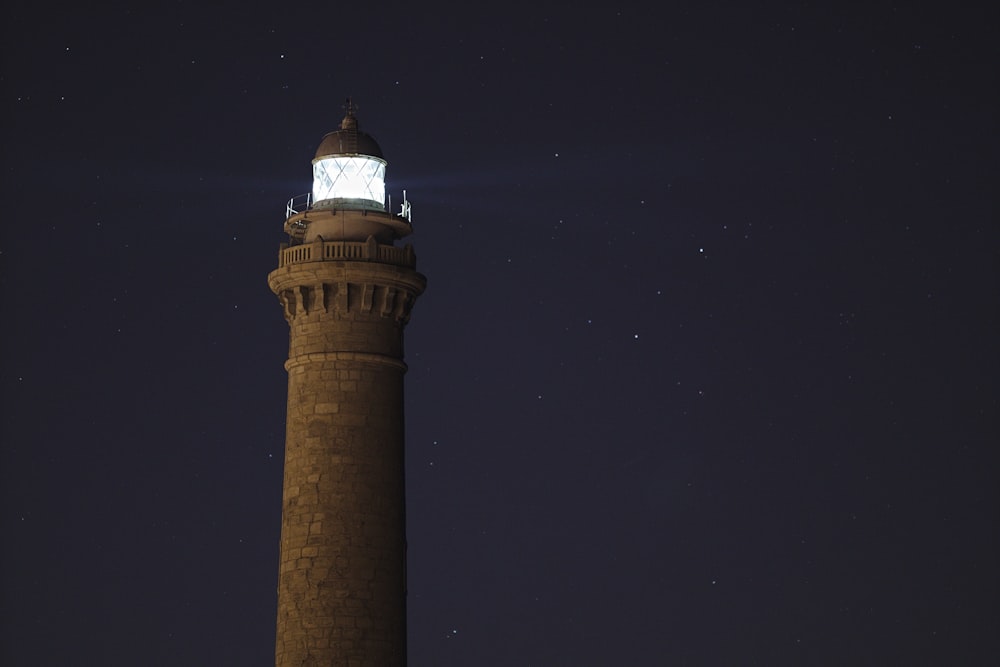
(357, 177)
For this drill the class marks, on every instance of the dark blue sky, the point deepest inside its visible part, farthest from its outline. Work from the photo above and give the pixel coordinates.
(705, 372)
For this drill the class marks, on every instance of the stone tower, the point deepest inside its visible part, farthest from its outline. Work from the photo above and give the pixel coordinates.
(346, 291)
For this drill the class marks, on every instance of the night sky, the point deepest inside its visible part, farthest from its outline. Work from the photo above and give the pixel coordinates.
(705, 373)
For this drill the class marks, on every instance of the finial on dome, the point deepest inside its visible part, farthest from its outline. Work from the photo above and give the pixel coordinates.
(349, 122)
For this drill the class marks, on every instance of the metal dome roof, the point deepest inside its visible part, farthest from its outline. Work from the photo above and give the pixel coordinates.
(348, 140)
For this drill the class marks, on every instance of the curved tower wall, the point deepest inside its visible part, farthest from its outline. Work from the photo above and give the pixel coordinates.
(341, 588)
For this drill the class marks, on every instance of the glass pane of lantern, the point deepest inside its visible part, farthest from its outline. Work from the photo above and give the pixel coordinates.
(349, 178)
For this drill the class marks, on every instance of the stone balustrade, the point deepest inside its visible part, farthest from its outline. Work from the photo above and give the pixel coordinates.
(364, 251)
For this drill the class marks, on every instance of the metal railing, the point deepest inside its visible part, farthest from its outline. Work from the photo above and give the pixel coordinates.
(297, 204)
(304, 202)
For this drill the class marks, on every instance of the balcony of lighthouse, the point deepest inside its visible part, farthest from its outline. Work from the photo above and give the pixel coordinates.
(342, 231)
(345, 219)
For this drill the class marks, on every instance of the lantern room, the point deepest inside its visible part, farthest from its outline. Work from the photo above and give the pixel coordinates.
(349, 170)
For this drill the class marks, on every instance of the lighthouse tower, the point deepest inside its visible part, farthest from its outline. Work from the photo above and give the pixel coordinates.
(346, 291)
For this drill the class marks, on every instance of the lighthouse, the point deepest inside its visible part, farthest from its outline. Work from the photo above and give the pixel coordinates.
(346, 290)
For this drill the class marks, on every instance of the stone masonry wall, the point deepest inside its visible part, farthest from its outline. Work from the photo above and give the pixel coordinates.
(341, 584)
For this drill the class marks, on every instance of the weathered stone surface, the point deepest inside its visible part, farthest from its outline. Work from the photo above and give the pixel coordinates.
(341, 587)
